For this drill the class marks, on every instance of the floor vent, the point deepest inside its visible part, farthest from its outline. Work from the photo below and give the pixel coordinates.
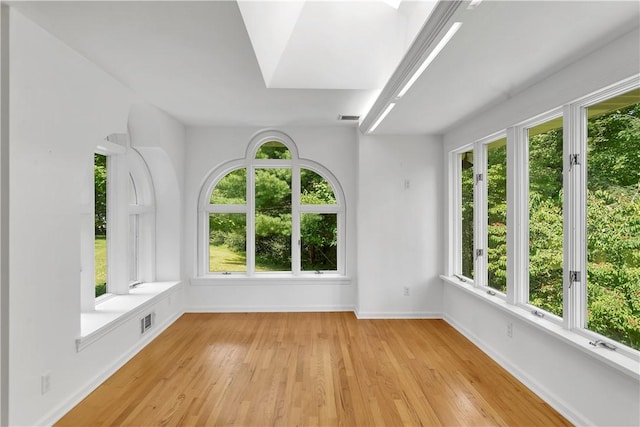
(345, 117)
(146, 323)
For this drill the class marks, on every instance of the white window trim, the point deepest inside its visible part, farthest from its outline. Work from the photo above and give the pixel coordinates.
(571, 327)
(251, 164)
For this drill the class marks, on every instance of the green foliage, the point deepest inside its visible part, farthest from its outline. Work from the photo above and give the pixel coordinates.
(319, 234)
(497, 215)
(232, 189)
(100, 264)
(273, 150)
(467, 215)
(100, 193)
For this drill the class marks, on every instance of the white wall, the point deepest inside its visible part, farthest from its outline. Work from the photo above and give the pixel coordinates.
(399, 228)
(586, 391)
(61, 107)
(4, 214)
(336, 149)
(160, 140)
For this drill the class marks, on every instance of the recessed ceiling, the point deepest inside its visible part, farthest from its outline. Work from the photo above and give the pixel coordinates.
(331, 45)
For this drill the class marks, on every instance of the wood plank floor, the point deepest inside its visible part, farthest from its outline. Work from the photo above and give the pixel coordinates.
(310, 369)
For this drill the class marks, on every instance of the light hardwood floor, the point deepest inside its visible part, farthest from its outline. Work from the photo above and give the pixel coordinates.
(310, 369)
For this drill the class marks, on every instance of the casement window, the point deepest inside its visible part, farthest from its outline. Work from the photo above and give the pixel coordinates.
(464, 223)
(271, 212)
(482, 197)
(568, 182)
(543, 143)
(117, 238)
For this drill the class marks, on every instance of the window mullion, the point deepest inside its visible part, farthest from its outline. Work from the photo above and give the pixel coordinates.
(575, 140)
(251, 220)
(295, 220)
(517, 216)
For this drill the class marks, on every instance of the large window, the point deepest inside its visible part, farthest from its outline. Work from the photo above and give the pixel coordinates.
(613, 218)
(573, 199)
(271, 213)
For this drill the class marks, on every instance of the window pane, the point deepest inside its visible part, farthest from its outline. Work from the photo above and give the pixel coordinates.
(315, 190)
(545, 216)
(613, 218)
(319, 240)
(497, 215)
(100, 224)
(227, 242)
(466, 162)
(273, 219)
(273, 150)
(232, 189)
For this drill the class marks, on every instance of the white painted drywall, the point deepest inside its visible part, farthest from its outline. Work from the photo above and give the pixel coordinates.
(160, 140)
(583, 389)
(207, 148)
(399, 233)
(61, 106)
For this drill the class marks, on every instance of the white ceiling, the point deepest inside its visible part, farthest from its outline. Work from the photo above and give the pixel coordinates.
(304, 62)
(502, 48)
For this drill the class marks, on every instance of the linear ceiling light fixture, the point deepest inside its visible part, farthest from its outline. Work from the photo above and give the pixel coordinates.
(382, 116)
(474, 4)
(441, 44)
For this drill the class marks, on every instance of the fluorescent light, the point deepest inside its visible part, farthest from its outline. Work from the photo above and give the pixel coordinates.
(382, 116)
(474, 4)
(441, 44)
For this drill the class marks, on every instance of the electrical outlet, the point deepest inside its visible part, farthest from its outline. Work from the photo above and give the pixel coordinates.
(407, 291)
(45, 382)
(510, 330)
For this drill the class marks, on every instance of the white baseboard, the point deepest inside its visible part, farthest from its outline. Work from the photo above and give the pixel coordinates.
(397, 314)
(68, 404)
(267, 309)
(552, 399)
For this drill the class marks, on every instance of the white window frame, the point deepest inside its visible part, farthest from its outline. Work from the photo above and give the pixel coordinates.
(455, 207)
(122, 162)
(574, 218)
(576, 198)
(521, 139)
(251, 164)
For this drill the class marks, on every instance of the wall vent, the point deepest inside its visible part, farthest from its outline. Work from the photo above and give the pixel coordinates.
(146, 322)
(353, 118)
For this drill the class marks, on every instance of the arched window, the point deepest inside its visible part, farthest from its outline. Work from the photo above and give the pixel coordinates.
(118, 232)
(271, 212)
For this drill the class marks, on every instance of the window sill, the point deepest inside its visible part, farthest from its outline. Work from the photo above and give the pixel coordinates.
(623, 363)
(114, 310)
(271, 279)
